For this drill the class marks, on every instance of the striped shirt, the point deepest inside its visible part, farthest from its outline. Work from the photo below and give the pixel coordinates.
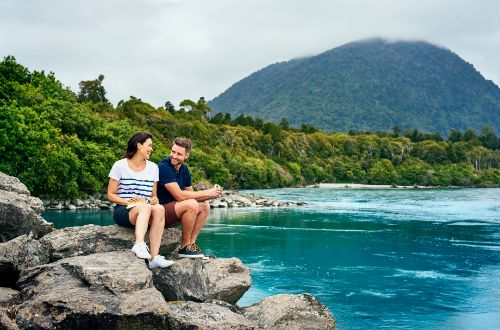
(132, 183)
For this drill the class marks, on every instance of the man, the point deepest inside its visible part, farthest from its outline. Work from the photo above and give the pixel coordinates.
(183, 205)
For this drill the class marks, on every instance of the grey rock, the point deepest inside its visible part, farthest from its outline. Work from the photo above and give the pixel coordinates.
(192, 315)
(196, 280)
(89, 239)
(6, 322)
(12, 184)
(71, 207)
(229, 279)
(186, 279)
(105, 290)
(77, 202)
(288, 311)
(18, 254)
(20, 214)
(9, 297)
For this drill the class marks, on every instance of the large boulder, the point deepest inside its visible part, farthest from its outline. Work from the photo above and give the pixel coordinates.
(228, 279)
(13, 184)
(20, 214)
(186, 279)
(288, 311)
(209, 315)
(18, 254)
(104, 290)
(199, 280)
(89, 239)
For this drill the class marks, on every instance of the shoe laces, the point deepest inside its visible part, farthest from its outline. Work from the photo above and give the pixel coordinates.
(195, 247)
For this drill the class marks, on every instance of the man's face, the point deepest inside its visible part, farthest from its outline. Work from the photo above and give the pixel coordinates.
(178, 155)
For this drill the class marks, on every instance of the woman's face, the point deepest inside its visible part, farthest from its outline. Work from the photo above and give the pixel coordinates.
(145, 149)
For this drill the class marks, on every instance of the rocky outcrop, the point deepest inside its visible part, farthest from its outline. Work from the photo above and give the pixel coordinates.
(19, 211)
(89, 239)
(229, 198)
(228, 279)
(102, 290)
(200, 280)
(209, 315)
(236, 199)
(288, 311)
(87, 277)
(20, 215)
(18, 254)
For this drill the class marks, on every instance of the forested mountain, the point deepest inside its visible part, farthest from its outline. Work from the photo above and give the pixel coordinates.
(369, 85)
(63, 144)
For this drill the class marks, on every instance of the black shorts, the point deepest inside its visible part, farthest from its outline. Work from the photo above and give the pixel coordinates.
(120, 215)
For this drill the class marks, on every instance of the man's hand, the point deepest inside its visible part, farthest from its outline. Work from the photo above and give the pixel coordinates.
(154, 200)
(214, 193)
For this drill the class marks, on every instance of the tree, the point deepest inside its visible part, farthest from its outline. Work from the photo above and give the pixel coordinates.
(454, 136)
(284, 124)
(396, 131)
(488, 138)
(169, 107)
(92, 91)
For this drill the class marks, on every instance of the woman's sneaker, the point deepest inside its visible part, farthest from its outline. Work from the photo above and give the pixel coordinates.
(190, 251)
(141, 250)
(159, 261)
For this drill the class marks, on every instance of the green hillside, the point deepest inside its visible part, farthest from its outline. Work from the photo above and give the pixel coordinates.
(63, 144)
(369, 85)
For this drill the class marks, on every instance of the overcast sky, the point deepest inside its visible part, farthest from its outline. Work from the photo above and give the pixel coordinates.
(170, 50)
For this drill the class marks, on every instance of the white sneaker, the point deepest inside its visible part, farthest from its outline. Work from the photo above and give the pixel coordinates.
(141, 250)
(160, 261)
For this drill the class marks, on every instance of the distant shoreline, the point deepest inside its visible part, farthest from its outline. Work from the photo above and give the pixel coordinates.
(368, 186)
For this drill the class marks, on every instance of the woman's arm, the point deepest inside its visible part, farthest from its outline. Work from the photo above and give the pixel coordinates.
(113, 194)
(154, 199)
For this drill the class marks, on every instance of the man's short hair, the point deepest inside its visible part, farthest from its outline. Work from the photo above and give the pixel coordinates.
(183, 142)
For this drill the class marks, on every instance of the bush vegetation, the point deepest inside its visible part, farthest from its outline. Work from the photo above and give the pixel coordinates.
(63, 144)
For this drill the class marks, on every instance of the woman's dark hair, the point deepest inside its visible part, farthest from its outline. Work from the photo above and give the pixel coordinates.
(139, 137)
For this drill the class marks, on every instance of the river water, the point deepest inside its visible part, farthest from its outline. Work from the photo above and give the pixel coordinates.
(391, 258)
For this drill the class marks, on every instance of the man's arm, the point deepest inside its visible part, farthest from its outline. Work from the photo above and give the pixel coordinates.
(188, 193)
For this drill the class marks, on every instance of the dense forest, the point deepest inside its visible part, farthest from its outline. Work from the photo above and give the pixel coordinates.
(370, 85)
(62, 144)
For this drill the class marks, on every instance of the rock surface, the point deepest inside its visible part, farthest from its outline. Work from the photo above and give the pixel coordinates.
(89, 239)
(112, 289)
(288, 311)
(199, 280)
(191, 315)
(20, 214)
(184, 280)
(12, 184)
(18, 254)
(229, 279)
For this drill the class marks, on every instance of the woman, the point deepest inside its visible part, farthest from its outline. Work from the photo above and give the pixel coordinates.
(132, 184)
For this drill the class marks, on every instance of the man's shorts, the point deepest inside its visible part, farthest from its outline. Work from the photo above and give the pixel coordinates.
(171, 219)
(120, 215)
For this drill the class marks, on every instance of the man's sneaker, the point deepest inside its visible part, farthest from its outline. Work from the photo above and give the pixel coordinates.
(196, 247)
(191, 251)
(141, 250)
(159, 261)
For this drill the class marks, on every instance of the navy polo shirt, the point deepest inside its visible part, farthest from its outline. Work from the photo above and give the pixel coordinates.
(169, 174)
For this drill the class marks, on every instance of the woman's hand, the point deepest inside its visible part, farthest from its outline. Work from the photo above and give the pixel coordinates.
(154, 200)
(134, 199)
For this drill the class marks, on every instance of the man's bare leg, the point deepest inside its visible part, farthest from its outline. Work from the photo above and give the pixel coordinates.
(187, 211)
(203, 209)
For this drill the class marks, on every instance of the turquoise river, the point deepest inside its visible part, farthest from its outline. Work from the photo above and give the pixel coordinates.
(394, 258)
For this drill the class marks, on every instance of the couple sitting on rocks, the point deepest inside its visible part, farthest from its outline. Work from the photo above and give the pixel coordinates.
(158, 196)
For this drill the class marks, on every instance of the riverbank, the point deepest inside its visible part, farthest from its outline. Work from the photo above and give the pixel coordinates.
(229, 198)
(367, 186)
